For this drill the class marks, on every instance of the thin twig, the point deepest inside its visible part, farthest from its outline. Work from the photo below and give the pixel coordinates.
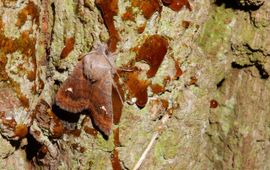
(151, 143)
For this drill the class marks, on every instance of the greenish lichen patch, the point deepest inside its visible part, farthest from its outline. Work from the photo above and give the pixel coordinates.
(217, 30)
(106, 145)
(167, 146)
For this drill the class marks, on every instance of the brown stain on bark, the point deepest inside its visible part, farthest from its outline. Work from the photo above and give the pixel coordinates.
(11, 123)
(75, 132)
(90, 131)
(3, 62)
(56, 126)
(25, 44)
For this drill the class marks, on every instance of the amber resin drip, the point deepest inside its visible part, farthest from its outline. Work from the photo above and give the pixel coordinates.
(152, 52)
(116, 139)
(178, 70)
(69, 46)
(115, 160)
(148, 7)
(128, 15)
(141, 28)
(116, 101)
(137, 88)
(177, 5)
(109, 9)
(186, 24)
(213, 104)
(32, 10)
(157, 89)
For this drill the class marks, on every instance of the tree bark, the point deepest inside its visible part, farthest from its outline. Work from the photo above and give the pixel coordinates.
(213, 83)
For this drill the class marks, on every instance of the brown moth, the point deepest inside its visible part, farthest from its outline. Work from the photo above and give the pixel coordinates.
(89, 87)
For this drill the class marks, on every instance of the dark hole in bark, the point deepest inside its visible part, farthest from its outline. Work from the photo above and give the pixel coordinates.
(220, 83)
(60, 70)
(236, 5)
(239, 66)
(263, 73)
(15, 143)
(57, 82)
(32, 147)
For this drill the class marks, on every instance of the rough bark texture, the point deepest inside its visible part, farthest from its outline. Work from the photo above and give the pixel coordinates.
(219, 106)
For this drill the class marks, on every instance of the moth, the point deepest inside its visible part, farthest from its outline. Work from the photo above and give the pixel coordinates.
(90, 87)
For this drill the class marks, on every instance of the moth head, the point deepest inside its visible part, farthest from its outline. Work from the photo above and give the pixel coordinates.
(96, 66)
(89, 67)
(101, 48)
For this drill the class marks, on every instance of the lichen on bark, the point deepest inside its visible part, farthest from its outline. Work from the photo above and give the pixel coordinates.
(221, 47)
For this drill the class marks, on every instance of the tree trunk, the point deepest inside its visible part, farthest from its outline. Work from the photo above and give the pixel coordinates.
(203, 63)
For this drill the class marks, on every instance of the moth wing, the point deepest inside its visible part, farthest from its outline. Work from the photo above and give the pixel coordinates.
(101, 104)
(74, 94)
(88, 64)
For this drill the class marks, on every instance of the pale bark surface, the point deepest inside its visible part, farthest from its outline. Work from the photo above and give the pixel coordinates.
(223, 53)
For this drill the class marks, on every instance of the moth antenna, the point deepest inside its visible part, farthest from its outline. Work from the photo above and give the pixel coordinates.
(111, 64)
(126, 69)
(115, 71)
